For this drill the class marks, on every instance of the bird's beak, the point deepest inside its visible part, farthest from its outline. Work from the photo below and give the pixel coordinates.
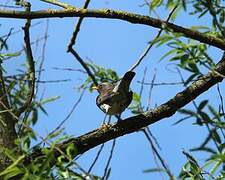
(94, 88)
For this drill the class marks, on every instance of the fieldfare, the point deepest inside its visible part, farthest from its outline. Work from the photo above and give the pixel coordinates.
(114, 98)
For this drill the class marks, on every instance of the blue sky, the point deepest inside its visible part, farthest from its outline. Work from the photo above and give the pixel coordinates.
(112, 44)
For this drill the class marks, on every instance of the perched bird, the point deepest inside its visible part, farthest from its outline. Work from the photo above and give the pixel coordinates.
(114, 98)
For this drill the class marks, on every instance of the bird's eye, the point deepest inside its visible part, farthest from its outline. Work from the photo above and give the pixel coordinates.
(99, 86)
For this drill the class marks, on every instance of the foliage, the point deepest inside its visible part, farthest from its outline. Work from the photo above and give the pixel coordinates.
(190, 57)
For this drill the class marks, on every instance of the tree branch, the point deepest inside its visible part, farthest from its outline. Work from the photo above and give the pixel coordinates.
(112, 14)
(31, 65)
(77, 28)
(84, 65)
(135, 123)
(57, 3)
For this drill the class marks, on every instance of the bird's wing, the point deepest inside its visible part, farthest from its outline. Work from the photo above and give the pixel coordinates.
(129, 99)
(107, 98)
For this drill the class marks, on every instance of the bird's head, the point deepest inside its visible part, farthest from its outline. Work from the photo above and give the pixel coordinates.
(105, 86)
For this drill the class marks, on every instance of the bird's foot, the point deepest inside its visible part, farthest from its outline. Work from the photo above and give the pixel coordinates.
(104, 125)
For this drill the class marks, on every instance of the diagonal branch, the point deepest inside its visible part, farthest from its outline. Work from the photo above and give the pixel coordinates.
(134, 123)
(150, 45)
(72, 43)
(84, 65)
(58, 3)
(112, 14)
(77, 28)
(31, 66)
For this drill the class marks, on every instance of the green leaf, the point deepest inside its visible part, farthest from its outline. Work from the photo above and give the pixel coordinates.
(12, 172)
(214, 112)
(205, 117)
(153, 170)
(34, 116)
(222, 17)
(136, 97)
(168, 53)
(12, 168)
(71, 151)
(202, 105)
(215, 167)
(47, 100)
(55, 133)
(194, 68)
(43, 110)
(187, 112)
(205, 149)
(9, 55)
(162, 39)
(155, 3)
(216, 136)
(190, 78)
(222, 146)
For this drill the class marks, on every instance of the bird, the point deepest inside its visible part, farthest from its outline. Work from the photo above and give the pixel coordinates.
(114, 98)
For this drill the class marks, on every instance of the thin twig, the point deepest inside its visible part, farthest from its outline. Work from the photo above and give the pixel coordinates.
(109, 160)
(31, 65)
(70, 69)
(3, 42)
(57, 3)
(77, 28)
(163, 83)
(142, 88)
(43, 55)
(81, 61)
(18, 31)
(96, 158)
(222, 107)
(159, 156)
(142, 82)
(40, 81)
(153, 137)
(70, 113)
(150, 90)
(150, 45)
(72, 42)
(154, 154)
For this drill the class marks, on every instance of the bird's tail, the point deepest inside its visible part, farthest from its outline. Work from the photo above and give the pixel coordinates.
(128, 76)
(124, 83)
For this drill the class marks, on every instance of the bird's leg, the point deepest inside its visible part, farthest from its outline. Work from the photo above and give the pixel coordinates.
(103, 123)
(118, 117)
(109, 119)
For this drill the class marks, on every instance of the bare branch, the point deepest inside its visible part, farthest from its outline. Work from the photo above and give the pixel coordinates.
(31, 65)
(159, 156)
(77, 28)
(107, 169)
(81, 61)
(150, 45)
(121, 15)
(72, 42)
(57, 3)
(151, 90)
(96, 158)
